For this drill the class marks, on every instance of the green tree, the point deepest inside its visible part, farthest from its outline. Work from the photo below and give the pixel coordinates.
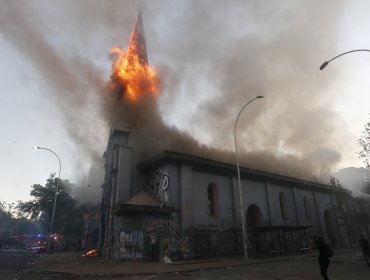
(366, 186)
(68, 218)
(12, 222)
(364, 143)
(5, 220)
(342, 208)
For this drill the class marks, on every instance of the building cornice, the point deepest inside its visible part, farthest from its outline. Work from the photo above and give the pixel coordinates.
(204, 165)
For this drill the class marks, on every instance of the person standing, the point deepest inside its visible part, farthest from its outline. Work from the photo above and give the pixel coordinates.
(325, 252)
(153, 246)
(364, 244)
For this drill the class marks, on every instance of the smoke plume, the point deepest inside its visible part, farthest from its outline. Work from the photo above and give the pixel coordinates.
(212, 57)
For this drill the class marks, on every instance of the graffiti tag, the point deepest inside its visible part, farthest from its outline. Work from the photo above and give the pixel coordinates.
(158, 183)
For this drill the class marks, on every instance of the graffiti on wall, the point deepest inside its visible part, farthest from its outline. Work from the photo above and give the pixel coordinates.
(206, 243)
(131, 245)
(171, 248)
(160, 228)
(162, 231)
(158, 183)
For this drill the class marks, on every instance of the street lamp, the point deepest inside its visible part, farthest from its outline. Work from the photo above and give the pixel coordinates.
(245, 245)
(327, 62)
(56, 190)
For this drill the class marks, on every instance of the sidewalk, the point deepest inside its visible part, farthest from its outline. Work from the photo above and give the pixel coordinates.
(74, 263)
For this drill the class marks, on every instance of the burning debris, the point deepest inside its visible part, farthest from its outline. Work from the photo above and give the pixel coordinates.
(92, 253)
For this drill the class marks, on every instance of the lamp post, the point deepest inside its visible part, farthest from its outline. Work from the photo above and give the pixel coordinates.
(245, 245)
(328, 61)
(56, 190)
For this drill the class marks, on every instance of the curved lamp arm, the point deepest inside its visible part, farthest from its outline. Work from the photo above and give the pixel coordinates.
(328, 61)
(57, 187)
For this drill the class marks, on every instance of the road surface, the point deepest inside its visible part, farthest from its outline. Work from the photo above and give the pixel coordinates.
(18, 264)
(14, 263)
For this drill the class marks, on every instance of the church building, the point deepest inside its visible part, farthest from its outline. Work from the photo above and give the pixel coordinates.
(173, 205)
(179, 206)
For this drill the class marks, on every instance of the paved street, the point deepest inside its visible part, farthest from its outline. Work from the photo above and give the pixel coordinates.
(22, 265)
(303, 269)
(343, 267)
(14, 263)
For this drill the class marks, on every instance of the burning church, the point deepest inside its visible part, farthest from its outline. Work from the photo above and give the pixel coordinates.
(167, 197)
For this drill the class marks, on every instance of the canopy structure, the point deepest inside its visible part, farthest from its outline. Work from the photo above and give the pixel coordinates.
(143, 202)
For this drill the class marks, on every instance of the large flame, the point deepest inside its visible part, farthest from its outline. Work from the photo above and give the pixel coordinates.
(132, 71)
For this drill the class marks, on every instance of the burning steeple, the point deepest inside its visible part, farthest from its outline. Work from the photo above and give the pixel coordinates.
(131, 73)
(134, 84)
(138, 39)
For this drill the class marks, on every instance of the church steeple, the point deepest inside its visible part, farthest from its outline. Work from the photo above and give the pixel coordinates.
(131, 75)
(138, 40)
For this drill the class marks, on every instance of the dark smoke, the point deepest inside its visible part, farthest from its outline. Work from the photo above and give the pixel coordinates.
(213, 57)
(294, 130)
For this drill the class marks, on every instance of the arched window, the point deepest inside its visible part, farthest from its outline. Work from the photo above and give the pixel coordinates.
(212, 192)
(283, 206)
(307, 209)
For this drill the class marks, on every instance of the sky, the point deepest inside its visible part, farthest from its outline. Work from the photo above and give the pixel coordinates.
(212, 55)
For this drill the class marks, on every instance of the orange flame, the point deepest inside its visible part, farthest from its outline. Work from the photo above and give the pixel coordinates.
(91, 253)
(132, 71)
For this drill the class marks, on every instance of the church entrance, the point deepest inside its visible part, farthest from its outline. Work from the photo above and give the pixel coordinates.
(257, 240)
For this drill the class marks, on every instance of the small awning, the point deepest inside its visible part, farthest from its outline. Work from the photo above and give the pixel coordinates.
(144, 202)
(280, 228)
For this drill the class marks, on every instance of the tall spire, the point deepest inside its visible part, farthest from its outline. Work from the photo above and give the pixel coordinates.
(138, 39)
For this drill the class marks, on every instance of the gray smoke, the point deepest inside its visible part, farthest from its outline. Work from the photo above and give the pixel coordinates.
(213, 56)
(242, 50)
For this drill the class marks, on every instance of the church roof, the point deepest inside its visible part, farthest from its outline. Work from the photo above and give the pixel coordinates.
(204, 164)
(144, 197)
(143, 202)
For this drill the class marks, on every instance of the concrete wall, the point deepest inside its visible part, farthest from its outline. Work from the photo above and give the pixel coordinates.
(255, 193)
(184, 186)
(200, 211)
(276, 217)
(313, 216)
(124, 175)
(184, 191)
(188, 194)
